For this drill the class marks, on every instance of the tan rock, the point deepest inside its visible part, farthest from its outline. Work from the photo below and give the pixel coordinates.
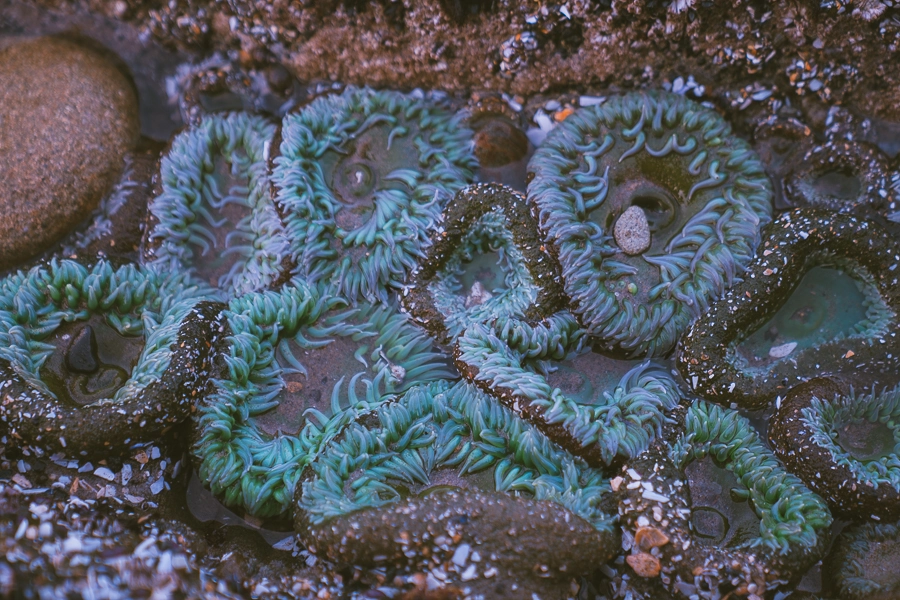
(645, 565)
(68, 116)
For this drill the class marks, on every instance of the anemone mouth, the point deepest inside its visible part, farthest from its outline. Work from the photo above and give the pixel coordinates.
(361, 177)
(486, 262)
(214, 214)
(441, 436)
(667, 156)
(714, 509)
(850, 446)
(788, 321)
(301, 367)
(98, 354)
(579, 402)
(91, 360)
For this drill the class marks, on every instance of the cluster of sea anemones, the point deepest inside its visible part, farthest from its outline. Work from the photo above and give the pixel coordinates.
(429, 375)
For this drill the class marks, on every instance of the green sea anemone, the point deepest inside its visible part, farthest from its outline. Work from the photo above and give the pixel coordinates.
(654, 208)
(602, 409)
(844, 446)
(299, 368)
(96, 358)
(214, 216)
(443, 437)
(863, 564)
(841, 176)
(361, 178)
(711, 511)
(821, 298)
(486, 261)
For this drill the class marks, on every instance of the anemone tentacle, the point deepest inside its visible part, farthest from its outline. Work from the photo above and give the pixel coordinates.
(654, 208)
(485, 228)
(855, 569)
(747, 348)
(214, 215)
(613, 422)
(437, 438)
(62, 391)
(361, 177)
(844, 446)
(777, 528)
(301, 366)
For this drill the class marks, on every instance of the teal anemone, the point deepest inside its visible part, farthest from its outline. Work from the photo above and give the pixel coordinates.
(94, 358)
(299, 368)
(789, 320)
(361, 177)
(602, 409)
(443, 437)
(714, 512)
(486, 261)
(844, 446)
(863, 564)
(654, 208)
(840, 176)
(214, 215)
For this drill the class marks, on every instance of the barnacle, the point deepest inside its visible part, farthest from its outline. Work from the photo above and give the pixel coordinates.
(486, 261)
(863, 564)
(602, 409)
(95, 358)
(820, 298)
(361, 177)
(840, 175)
(299, 368)
(654, 208)
(713, 511)
(390, 471)
(214, 215)
(843, 445)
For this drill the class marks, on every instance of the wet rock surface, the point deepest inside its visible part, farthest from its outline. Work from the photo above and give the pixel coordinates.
(69, 116)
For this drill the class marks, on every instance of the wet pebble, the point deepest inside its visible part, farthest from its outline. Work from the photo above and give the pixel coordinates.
(68, 116)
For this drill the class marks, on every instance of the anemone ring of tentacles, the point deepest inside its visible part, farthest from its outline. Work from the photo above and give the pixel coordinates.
(654, 208)
(96, 358)
(712, 511)
(761, 337)
(361, 177)
(843, 445)
(300, 367)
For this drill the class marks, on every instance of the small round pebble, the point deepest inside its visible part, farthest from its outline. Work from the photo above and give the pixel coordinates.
(632, 231)
(68, 115)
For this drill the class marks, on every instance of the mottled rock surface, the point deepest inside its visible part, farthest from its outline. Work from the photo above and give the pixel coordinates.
(68, 116)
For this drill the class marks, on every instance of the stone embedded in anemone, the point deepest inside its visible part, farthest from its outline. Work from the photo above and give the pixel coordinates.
(841, 176)
(716, 510)
(844, 446)
(486, 261)
(442, 451)
(850, 330)
(361, 177)
(704, 194)
(94, 358)
(502, 148)
(214, 215)
(863, 563)
(299, 369)
(601, 409)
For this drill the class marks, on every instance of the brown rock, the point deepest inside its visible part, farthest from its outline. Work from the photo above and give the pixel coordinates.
(67, 118)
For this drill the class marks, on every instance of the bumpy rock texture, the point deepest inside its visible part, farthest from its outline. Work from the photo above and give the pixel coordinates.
(68, 116)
